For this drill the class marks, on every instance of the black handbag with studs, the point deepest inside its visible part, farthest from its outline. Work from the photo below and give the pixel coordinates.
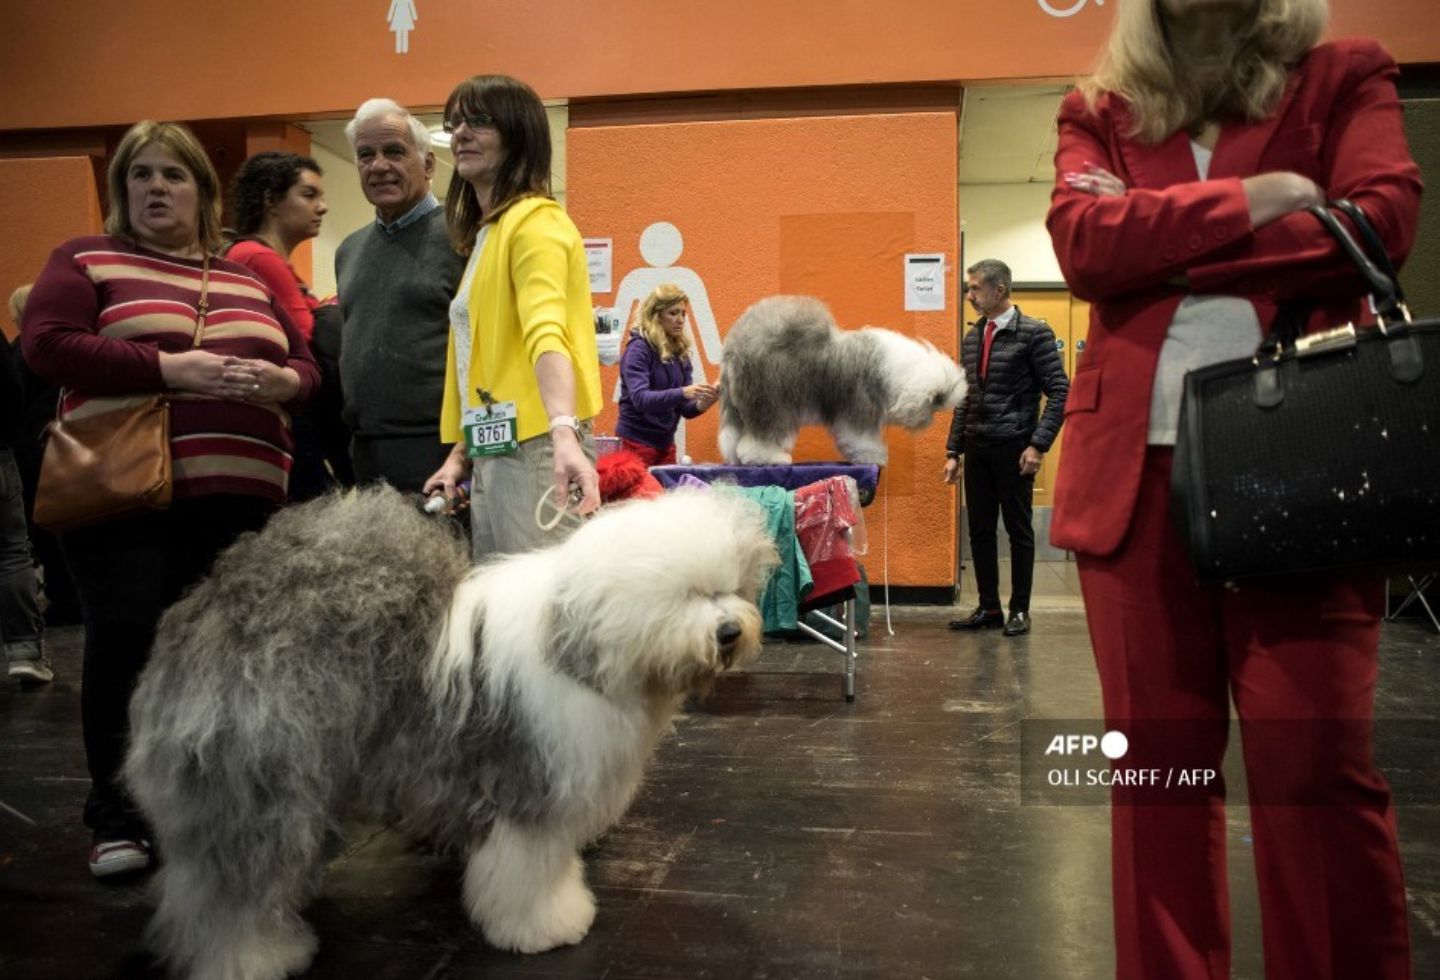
(1321, 452)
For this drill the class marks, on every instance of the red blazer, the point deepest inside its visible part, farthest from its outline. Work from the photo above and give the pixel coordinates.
(1339, 123)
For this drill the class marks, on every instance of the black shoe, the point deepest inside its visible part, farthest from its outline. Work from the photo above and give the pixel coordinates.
(980, 619)
(1018, 625)
(62, 615)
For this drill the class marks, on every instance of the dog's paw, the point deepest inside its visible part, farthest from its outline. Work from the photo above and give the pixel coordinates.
(562, 919)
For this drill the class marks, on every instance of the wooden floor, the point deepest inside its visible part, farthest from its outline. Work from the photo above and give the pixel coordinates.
(781, 833)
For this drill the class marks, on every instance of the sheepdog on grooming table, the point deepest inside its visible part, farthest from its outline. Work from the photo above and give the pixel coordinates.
(348, 661)
(787, 365)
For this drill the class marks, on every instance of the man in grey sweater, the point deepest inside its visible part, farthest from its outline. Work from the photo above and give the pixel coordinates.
(396, 278)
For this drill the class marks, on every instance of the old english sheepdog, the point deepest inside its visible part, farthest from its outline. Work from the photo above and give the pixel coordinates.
(347, 661)
(787, 364)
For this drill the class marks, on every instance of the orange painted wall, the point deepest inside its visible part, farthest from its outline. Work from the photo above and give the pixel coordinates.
(826, 206)
(284, 59)
(52, 199)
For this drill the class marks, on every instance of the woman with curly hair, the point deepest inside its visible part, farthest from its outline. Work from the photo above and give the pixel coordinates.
(279, 202)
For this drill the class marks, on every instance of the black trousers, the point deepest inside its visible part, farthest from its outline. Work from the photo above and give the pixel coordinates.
(995, 489)
(404, 462)
(127, 572)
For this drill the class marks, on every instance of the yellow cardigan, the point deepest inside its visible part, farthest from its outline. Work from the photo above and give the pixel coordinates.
(530, 295)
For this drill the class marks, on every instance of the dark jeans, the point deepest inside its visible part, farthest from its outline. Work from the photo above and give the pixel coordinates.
(995, 489)
(309, 477)
(20, 622)
(127, 572)
(404, 462)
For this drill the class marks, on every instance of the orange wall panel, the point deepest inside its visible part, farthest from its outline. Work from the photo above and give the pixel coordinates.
(824, 205)
(45, 201)
(282, 59)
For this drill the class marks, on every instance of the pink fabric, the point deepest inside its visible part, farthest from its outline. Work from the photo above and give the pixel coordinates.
(823, 516)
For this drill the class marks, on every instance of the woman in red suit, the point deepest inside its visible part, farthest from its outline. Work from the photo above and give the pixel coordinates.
(1184, 167)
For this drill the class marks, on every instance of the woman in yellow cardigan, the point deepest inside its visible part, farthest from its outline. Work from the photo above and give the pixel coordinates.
(522, 375)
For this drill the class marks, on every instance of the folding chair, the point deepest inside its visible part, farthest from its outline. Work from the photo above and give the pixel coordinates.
(1417, 593)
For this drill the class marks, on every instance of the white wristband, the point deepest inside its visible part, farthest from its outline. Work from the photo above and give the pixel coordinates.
(566, 421)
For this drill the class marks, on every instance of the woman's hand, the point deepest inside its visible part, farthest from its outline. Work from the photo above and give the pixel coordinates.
(446, 479)
(1277, 194)
(197, 371)
(572, 468)
(1096, 180)
(701, 394)
(253, 380)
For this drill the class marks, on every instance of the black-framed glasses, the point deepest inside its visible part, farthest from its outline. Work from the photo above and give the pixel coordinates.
(473, 120)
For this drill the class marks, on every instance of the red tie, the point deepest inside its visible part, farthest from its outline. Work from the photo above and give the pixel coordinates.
(985, 355)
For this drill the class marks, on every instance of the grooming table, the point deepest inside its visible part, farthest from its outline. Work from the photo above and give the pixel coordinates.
(793, 477)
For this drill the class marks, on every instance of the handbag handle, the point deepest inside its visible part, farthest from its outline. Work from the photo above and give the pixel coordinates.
(1373, 264)
(1383, 289)
(1374, 247)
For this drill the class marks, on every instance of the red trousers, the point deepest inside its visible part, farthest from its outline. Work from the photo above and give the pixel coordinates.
(1299, 658)
(650, 455)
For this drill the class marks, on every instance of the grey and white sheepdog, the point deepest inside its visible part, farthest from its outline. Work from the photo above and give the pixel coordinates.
(347, 661)
(787, 365)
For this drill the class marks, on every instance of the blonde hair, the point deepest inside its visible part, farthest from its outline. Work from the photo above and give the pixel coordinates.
(662, 298)
(183, 145)
(17, 302)
(1166, 95)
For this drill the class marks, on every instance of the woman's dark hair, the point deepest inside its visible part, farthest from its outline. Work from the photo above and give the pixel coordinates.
(519, 116)
(261, 181)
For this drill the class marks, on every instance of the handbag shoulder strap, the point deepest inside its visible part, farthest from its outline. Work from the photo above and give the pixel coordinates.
(202, 308)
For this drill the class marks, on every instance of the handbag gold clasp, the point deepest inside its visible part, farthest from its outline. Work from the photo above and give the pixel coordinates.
(1326, 341)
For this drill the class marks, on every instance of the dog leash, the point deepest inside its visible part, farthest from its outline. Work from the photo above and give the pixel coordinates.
(557, 513)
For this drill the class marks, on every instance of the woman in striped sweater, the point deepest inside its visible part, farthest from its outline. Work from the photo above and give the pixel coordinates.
(112, 319)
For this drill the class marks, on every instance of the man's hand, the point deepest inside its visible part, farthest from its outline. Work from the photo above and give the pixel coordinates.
(952, 469)
(1030, 461)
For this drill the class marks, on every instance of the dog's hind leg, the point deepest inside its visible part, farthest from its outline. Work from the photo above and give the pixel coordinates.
(233, 882)
(729, 438)
(753, 450)
(861, 445)
(526, 890)
(206, 935)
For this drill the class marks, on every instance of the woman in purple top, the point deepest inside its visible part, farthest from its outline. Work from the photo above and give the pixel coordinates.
(655, 378)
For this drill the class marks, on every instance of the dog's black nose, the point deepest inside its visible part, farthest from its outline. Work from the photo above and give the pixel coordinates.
(728, 633)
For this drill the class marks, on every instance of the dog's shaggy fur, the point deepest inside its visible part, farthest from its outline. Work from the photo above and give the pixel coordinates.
(787, 364)
(346, 660)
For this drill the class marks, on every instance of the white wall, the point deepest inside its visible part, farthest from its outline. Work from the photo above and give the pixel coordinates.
(348, 211)
(1007, 222)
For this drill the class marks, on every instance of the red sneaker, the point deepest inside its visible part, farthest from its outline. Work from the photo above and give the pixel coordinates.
(118, 857)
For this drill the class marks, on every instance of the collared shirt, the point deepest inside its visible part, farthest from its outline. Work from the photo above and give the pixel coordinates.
(427, 204)
(999, 323)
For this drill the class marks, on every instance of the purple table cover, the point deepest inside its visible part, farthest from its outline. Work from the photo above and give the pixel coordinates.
(791, 477)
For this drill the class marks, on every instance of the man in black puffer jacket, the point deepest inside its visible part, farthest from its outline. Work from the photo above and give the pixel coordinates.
(998, 430)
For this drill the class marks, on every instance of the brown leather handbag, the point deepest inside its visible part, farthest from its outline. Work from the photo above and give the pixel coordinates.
(114, 464)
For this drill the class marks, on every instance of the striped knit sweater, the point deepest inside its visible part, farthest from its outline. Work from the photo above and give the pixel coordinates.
(103, 310)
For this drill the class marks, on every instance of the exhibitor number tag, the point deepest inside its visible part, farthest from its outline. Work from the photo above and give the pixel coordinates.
(490, 431)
